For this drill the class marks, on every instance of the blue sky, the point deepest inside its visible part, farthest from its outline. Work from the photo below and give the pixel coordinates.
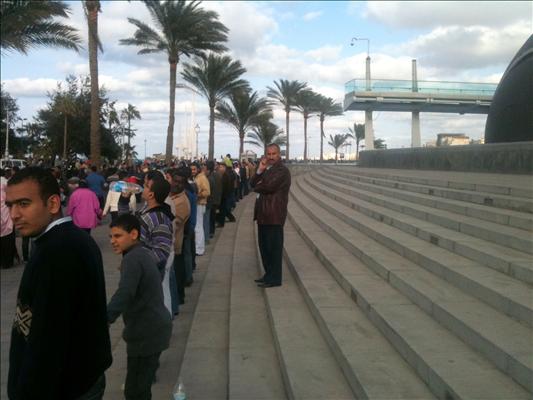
(306, 40)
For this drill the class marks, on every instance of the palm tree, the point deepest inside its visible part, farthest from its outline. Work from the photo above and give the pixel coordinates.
(182, 28)
(285, 93)
(326, 108)
(265, 133)
(337, 141)
(66, 104)
(92, 8)
(243, 112)
(306, 104)
(357, 133)
(214, 77)
(380, 144)
(27, 24)
(127, 114)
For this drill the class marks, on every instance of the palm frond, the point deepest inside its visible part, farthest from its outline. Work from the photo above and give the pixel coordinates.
(28, 24)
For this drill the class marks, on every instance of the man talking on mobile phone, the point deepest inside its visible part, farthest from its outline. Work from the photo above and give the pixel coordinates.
(271, 182)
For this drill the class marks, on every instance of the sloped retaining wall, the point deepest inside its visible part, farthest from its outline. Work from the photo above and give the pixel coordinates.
(510, 158)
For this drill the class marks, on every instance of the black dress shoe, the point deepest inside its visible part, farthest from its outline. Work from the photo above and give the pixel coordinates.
(267, 285)
(260, 280)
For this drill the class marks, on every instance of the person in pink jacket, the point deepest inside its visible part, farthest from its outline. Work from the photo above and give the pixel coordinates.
(84, 208)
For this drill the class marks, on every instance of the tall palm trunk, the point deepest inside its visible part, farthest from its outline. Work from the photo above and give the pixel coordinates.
(357, 149)
(92, 8)
(287, 131)
(336, 154)
(129, 143)
(172, 96)
(241, 143)
(321, 139)
(305, 138)
(211, 131)
(65, 138)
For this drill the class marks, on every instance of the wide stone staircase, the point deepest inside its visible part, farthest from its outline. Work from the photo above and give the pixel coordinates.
(397, 285)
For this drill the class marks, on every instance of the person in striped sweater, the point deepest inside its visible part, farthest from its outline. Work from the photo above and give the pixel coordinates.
(156, 219)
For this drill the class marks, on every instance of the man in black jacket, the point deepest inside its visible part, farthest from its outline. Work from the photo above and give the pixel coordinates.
(271, 182)
(60, 343)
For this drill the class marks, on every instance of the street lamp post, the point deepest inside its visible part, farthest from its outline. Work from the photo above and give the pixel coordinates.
(145, 148)
(197, 130)
(369, 128)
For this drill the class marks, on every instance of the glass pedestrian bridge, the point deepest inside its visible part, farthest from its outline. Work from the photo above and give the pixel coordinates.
(442, 87)
(425, 96)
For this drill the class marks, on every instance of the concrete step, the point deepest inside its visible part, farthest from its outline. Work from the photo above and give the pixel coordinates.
(371, 365)
(504, 235)
(504, 293)
(253, 365)
(508, 202)
(498, 216)
(309, 369)
(476, 324)
(439, 228)
(506, 184)
(204, 369)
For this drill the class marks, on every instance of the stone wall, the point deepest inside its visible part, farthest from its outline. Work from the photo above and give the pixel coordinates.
(511, 158)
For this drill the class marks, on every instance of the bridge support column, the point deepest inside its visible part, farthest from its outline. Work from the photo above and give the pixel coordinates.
(416, 141)
(369, 131)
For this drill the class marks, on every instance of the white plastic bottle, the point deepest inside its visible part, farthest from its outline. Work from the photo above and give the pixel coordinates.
(179, 392)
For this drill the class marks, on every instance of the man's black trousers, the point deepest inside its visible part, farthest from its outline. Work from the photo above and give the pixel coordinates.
(271, 249)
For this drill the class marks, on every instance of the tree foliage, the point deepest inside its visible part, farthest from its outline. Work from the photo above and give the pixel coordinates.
(285, 92)
(265, 133)
(243, 111)
(180, 28)
(338, 141)
(214, 77)
(28, 23)
(326, 107)
(357, 133)
(51, 121)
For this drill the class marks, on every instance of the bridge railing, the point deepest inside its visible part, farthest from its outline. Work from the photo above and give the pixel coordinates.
(443, 87)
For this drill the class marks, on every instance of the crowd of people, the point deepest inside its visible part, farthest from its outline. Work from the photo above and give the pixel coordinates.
(160, 223)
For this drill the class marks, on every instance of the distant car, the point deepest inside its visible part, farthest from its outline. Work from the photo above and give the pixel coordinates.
(12, 162)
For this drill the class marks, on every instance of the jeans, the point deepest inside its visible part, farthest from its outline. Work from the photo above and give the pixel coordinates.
(199, 229)
(140, 376)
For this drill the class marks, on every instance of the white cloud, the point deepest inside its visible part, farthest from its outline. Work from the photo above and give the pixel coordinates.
(66, 67)
(325, 53)
(25, 87)
(427, 14)
(311, 15)
(462, 48)
(250, 25)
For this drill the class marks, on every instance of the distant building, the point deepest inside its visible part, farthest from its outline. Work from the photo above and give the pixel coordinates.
(452, 139)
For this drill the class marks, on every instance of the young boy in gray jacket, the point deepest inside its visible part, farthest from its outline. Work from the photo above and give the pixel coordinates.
(139, 298)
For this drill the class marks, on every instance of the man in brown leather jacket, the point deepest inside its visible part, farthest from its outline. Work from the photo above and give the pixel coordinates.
(271, 182)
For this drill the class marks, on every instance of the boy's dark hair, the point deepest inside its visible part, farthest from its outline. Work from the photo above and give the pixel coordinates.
(128, 222)
(210, 165)
(154, 175)
(93, 168)
(48, 185)
(161, 188)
